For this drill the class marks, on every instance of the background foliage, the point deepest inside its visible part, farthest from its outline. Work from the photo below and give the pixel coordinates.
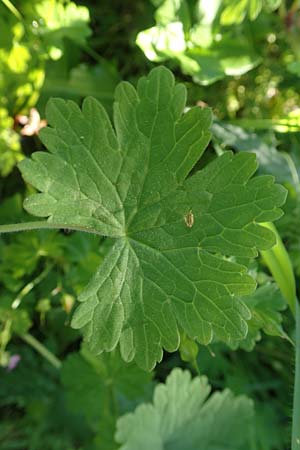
(242, 59)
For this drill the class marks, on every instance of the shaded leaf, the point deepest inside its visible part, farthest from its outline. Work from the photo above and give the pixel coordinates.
(108, 387)
(270, 160)
(265, 305)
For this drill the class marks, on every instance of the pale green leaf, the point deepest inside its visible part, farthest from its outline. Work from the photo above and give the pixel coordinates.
(182, 416)
(168, 264)
(235, 11)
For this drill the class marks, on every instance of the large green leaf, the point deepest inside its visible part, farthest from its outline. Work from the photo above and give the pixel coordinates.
(183, 417)
(172, 233)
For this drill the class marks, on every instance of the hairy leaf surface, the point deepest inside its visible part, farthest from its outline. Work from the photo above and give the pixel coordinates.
(172, 232)
(183, 417)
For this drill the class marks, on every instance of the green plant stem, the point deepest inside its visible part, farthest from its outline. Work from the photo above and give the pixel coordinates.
(291, 124)
(282, 10)
(295, 6)
(279, 264)
(12, 9)
(5, 336)
(43, 224)
(42, 350)
(296, 403)
(29, 286)
(113, 401)
(293, 170)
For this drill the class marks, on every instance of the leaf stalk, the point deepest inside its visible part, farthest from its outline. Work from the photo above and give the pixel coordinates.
(42, 350)
(279, 263)
(43, 224)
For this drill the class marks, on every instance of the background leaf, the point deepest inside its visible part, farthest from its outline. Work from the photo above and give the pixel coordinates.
(216, 422)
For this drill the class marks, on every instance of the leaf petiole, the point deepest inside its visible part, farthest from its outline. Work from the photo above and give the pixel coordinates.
(31, 285)
(43, 224)
(279, 263)
(41, 349)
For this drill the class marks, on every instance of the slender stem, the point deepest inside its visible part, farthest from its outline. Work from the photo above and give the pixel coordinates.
(43, 224)
(29, 286)
(286, 124)
(98, 58)
(12, 9)
(296, 404)
(42, 350)
(279, 263)
(113, 401)
(295, 6)
(293, 169)
(5, 336)
(282, 10)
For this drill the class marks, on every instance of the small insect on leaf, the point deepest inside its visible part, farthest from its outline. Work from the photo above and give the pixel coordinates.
(189, 219)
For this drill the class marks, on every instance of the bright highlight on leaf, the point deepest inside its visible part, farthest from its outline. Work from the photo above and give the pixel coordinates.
(194, 38)
(130, 182)
(235, 11)
(56, 21)
(183, 417)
